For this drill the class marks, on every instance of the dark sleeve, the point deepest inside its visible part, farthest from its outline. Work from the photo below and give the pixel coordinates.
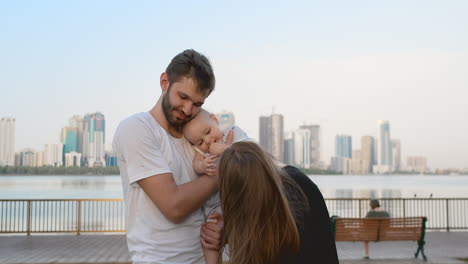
(317, 241)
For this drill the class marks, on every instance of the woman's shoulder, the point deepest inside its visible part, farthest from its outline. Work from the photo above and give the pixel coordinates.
(298, 176)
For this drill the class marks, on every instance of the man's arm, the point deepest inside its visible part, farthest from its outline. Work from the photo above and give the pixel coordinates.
(176, 202)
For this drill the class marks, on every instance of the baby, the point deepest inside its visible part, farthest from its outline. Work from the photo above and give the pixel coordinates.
(208, 140)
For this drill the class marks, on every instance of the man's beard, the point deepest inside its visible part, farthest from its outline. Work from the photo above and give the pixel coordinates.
(175, 123)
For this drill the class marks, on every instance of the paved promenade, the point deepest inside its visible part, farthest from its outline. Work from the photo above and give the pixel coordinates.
(441, 247)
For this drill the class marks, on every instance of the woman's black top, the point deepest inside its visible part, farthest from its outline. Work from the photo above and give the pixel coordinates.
(317, 241)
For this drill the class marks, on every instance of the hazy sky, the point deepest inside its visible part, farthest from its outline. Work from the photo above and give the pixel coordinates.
(341, 64)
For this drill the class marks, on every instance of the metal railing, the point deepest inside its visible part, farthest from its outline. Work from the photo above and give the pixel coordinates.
(108, 215)
(442, 213)
(62, 216)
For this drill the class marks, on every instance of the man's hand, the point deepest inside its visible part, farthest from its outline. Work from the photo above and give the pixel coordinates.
(210, 232)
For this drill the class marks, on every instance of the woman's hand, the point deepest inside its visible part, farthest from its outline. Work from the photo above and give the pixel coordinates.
(210, 233)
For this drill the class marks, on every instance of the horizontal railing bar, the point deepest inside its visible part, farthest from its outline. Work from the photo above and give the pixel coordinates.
(44, 200)
(108, 215)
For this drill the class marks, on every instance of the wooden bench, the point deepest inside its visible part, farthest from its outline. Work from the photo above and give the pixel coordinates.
(381, 229)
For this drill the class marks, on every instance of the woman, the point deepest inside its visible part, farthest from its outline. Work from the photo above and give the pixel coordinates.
(271, 215)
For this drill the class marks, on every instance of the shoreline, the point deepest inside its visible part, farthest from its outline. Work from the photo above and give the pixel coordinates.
(308, 174)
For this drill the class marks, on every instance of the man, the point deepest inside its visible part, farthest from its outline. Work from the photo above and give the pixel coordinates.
(162, 193)
(376, 212)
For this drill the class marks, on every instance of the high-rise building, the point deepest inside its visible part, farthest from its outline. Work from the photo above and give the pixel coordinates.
(7, 141)
(264, 132)
(277, 129)
(272, 134)
(69, 139)
(340, 164)
(27, 158)
(288, 148)
(343, 146)
(77, 122)
(94, 140)
(73, 159)
(396, 154)
(111, 159)
(384, 148)
(314, 144)
(17, 159)
(39, 158)
(357, 164)
(302, 148)
(367, 153)
(416, 164)
(53, 155)
(226, 120)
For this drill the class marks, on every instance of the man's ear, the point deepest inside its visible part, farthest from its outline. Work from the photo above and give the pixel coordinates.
(213, 116)
(164, 82)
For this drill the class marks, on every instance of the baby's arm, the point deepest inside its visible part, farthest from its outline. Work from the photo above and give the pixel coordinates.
(211, 246)
(197, 163)
(211, 256)
(203, 165)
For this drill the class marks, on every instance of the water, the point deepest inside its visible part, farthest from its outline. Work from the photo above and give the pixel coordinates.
(393, 186)
(341, 186)
(60, 187)
(110, 215)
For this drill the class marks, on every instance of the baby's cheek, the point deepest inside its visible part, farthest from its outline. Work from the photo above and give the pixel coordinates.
(205, 148)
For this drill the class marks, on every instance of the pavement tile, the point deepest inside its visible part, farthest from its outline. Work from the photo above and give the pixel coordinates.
(441, 248)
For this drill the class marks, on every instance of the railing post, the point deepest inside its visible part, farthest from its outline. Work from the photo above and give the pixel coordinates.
(448, 218)
(28, 227)
(360, 209)
(404, 207)
(78, 220)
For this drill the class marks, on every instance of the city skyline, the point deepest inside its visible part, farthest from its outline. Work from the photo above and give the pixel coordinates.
(300, 147)
(341, 66)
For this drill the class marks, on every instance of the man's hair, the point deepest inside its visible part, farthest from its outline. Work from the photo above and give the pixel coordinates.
(192, 64)
(374, 203)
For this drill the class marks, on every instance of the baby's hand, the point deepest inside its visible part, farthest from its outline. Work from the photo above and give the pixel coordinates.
(209, 166)
(218, 147)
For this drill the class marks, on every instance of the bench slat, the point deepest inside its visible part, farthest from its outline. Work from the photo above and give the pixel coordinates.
(378, 229)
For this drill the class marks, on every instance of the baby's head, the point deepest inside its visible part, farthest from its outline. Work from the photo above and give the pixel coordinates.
(203, 130)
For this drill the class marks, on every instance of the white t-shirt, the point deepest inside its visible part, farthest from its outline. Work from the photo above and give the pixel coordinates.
(145, 149)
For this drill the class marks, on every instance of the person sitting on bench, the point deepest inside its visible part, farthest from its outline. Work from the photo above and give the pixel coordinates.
(377, 212)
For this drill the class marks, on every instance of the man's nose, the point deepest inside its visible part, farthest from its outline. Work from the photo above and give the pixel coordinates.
(187, 109)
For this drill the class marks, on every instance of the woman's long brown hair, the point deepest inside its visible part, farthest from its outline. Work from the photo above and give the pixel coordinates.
(258, 223)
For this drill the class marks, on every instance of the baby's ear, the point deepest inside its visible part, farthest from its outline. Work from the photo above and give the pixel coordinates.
(213, 116)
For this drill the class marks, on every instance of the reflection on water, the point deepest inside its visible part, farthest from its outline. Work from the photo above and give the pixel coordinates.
(60, 187)
(390, 193)
(346, 186)
(392, 186)
(367, 193)
(83, 184)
